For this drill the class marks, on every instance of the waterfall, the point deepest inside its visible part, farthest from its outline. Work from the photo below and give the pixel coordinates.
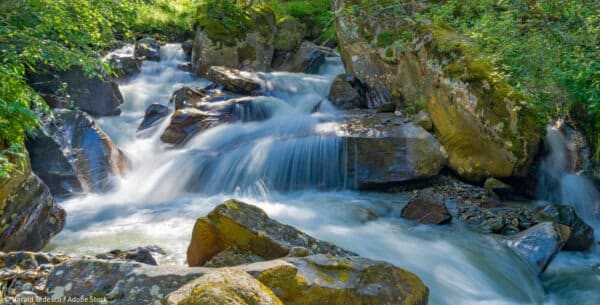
(559, 182)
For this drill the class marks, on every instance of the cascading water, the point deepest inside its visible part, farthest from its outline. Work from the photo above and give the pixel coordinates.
(291, 166)
(559, 183)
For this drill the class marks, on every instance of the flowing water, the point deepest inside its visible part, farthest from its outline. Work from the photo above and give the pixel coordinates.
(292, 167)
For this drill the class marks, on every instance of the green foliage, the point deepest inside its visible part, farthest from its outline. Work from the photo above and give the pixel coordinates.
(58, 34)
(316, 15)
(548, 49)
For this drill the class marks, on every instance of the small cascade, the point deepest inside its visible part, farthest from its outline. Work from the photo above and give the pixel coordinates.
(560, 183)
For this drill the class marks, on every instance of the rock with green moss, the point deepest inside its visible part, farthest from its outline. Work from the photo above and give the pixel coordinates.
(249, 229)
(290, 33)
(486, 126)
(326, 280)
(223, 286)
(233, 36)
(29, 216)
(308, 58)
(384, 150)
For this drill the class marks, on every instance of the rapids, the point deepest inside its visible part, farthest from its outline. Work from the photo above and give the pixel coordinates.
(292, 167)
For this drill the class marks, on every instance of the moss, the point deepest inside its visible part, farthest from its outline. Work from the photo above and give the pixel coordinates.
(246, 52)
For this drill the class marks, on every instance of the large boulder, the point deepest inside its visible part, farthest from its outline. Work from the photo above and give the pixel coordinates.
(384, 150)
(189, 97)
(93, 95)
(29, 216)
(223, 286)
(185, 123)
(72, 154)
(328, 280)
(231, 36)
(539, 244)
(246, 227)
(233, 80)
(486, 126)
(289, 36)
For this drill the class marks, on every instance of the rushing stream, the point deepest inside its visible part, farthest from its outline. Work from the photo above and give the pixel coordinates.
(289, 165)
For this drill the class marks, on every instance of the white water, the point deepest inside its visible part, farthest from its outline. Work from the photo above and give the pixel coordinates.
(290, 167)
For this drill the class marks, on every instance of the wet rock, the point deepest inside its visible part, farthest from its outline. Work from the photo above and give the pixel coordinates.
(187, 47)
(233, 80)
(307, 59)
(120, 282)
(381, 153)
(29, 216)
(248, 45)
(342, 95)
(147, 48)
(72, 154)
(426, 208)
(185, 123)
(209, 112)
(125, 66)
(223, 286)
(187, 97)
(326, 280)
(248, 228)
(186, 67)
(145, 255)
(539, 244)
(92, 95)
(475, 115)
(582, 235)
(155, 114)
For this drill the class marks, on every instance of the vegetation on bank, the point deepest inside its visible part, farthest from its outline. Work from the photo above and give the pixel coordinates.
(548, 49)
(57, 34)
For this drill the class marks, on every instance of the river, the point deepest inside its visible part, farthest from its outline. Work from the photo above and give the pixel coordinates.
(289, 166)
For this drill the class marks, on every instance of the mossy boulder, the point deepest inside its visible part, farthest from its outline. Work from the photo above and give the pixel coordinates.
(233, 36)
(326, 280)
(290, 33)
(486, 125)
(223, 286)
(248, 228)
(29, 216)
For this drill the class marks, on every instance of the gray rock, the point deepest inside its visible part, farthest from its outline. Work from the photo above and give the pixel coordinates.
(72, 154)
(342, 95)
(93, 95)
(155, 114)
(233, 80)
(384, 154)
(539, 244)
(147, 48)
